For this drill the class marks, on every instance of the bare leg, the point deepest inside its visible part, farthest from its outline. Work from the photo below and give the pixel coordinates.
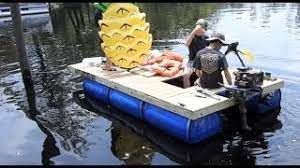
(108, 65)
(186, 78)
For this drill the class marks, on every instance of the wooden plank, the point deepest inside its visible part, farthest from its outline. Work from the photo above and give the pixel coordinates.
(154, 91)
(144, 96)
(270, 86)
(157, 89)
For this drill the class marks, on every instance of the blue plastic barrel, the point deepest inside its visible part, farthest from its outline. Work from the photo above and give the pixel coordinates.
(190, 131)
(96, 90)
(171, 123)
(205, 127)
(126, 103)
(265, 103)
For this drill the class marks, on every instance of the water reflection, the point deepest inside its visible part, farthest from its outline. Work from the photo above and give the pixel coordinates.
(74, 11)
(253, 12)
(135, 142)
(125, 143)
(46, 61)
(49, 148)
(176, 22)
(266, 16)
(130, 148)
(297, 17)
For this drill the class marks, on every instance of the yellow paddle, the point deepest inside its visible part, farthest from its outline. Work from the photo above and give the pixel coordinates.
(233, 48)
(248, 55)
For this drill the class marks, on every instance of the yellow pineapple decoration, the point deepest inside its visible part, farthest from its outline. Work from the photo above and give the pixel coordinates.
(125, 35)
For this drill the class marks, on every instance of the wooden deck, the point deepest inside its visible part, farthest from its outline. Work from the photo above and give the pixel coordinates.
(154, 90)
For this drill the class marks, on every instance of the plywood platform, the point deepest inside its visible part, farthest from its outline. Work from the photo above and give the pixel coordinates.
(152, 89)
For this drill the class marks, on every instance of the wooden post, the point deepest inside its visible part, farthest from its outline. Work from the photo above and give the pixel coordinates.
(50, 7)
(49, 148)
(23, 59)
(18, 31)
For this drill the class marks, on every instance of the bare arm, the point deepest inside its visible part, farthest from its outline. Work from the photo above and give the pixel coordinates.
(228, 77)
(199, 73)
(190, 37)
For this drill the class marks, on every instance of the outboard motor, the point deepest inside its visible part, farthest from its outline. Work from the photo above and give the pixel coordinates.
(247, 83)
(247, 77)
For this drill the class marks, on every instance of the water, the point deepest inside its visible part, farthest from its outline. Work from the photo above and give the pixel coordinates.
(69, 131)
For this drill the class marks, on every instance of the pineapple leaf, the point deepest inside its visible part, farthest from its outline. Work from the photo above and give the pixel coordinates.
(102, 6)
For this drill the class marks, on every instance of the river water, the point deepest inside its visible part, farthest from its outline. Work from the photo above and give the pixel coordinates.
(69, 131)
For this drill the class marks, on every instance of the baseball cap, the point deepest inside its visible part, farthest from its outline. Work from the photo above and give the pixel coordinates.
(203, 23)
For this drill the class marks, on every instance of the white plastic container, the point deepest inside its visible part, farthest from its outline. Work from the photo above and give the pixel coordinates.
(93, 62)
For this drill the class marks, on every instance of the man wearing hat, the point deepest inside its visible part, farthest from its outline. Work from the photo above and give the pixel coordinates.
(210, 62)
(196, 41)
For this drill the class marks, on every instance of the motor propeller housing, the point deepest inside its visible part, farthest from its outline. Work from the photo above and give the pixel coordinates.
(247, 83)
(232, 47)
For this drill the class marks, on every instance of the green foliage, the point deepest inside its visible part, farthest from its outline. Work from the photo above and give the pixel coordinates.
(101, 6)
(169, 20)
(104, 6)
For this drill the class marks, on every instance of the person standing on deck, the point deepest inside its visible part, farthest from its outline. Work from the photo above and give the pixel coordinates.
(196, 41)
(210, 62)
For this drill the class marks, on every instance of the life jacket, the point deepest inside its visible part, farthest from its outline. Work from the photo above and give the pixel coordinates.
(169, 64)
(166, 72)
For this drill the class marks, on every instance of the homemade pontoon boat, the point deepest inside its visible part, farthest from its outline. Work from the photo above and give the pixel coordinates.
(186, 114)
(191, 114)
